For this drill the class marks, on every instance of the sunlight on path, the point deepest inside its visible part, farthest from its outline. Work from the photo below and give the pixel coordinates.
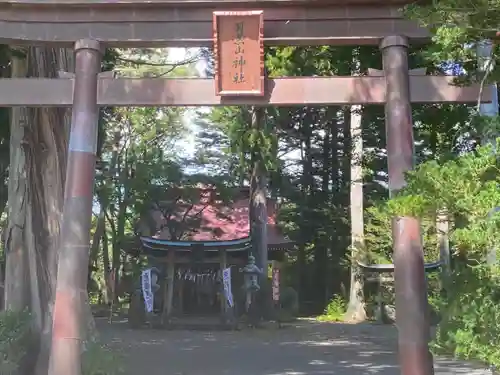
(307, 348)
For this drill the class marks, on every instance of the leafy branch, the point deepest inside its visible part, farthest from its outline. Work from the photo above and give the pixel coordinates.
(171, 65)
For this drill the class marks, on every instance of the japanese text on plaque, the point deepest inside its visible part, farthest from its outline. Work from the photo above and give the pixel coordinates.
(239, 54)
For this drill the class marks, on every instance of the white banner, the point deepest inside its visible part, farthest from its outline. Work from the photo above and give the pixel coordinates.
(276, 284)
(226, 282)
(147, 293)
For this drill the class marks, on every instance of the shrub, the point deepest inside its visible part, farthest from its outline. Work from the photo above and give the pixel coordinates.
(470, 322)
(335, 310)
(16, 336)
(468, 187)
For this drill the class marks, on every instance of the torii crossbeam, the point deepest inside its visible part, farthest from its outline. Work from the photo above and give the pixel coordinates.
(300, 91)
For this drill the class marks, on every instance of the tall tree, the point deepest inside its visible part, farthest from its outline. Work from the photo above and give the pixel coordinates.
(139, 153)
(37, 170)
(356, 310)
(36, 188)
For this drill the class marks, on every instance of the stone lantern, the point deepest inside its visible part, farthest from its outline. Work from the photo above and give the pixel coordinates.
(251, 281)
(251, 275)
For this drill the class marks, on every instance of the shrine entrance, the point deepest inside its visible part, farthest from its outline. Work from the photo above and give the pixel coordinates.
(237, 31)
(199, 293)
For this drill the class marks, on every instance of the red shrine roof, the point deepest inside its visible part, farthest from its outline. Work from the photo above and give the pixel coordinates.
(210, 219)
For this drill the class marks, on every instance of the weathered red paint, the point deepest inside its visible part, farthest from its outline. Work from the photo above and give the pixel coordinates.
(80, 174)
(292, 91)
(409, 274)
(75, 232)
(187, 23)
(66, 325)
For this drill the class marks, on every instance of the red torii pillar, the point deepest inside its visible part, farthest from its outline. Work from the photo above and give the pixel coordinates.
(412, 311)
(71, 286)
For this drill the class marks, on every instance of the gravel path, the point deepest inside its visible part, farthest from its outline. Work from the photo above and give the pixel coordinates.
(306, 348)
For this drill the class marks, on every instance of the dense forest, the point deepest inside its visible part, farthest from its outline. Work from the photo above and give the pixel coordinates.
(326, 166)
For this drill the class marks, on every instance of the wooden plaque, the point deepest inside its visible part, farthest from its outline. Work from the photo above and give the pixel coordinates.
(239, 53)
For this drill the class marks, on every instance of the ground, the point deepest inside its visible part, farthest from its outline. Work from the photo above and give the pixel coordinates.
(305, 348)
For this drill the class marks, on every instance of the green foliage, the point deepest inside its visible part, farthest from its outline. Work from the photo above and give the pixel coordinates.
(310, 156)
(468, 187)
(306, 151)
(486, 127)
(470, 315)
(477, 19)
(249, 143)
(335, 310)
(99, 359)
(378, 233)
(16, 337)
(139, 156)
(456, 25)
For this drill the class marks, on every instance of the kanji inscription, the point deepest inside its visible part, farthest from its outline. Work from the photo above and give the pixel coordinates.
(239, 53)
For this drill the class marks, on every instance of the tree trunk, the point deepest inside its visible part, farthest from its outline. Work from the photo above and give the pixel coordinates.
(109, 267)
(94, 249)
(356, 308)
(36, 195)
(16, 291)
(306, 229)
(335, 267)
(98, 233)
(5, 70)
(122, 172)
(324, 269)
(258, 210)
(108, 280)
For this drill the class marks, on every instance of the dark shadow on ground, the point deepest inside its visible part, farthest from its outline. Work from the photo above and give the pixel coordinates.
(306, 348)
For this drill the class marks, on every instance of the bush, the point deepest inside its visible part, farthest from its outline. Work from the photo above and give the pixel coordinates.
(335, 310)
(470, 322)
(16, 336)
(468, 187)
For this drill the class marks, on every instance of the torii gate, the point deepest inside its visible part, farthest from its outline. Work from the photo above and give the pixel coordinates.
(92, 25)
